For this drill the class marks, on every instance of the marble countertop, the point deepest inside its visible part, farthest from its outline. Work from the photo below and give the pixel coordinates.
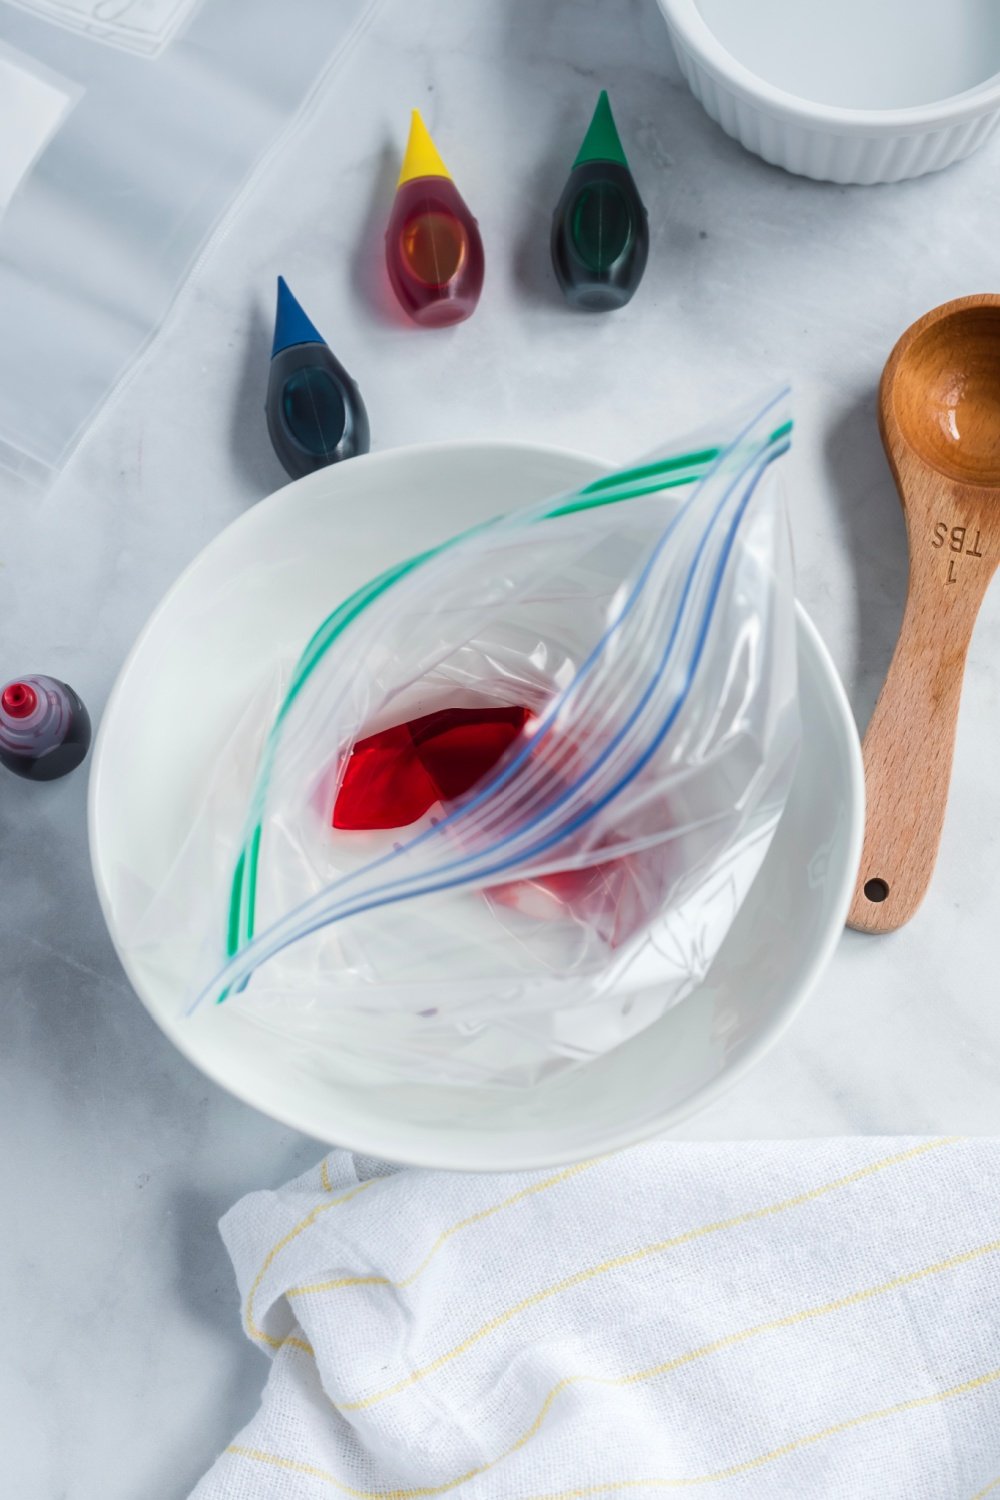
(126, 1369)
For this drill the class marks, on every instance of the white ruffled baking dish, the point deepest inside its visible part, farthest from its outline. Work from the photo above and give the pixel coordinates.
(826, 141)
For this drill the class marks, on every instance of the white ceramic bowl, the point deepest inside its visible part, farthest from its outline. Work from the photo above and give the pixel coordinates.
(845, 90)
(277, 570)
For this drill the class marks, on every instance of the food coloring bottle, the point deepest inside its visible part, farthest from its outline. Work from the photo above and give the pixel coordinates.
(44, 728)
(600, 234)
(315, 414)
(433, 249)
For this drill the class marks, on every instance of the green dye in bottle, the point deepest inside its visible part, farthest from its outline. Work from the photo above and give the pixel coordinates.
(600, 234)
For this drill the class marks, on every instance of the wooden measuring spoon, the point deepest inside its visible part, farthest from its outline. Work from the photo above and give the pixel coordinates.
(939, 414)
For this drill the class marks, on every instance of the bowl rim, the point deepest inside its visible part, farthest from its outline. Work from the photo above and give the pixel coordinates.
(452, 1154)
(684, 19)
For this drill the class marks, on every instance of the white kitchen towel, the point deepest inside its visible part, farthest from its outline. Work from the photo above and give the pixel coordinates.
(817, 1321)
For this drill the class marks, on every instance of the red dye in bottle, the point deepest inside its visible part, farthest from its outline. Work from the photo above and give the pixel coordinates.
(433, 249)
(44, 728)
(393, 777)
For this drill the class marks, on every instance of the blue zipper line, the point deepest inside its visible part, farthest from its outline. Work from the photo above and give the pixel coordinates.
(374, 900)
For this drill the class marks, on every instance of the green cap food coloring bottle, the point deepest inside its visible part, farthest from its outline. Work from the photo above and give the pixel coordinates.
(600, 234)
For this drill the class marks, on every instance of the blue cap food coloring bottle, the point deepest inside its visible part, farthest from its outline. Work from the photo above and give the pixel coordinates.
(315, 414)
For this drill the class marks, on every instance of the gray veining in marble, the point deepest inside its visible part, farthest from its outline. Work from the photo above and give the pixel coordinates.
(125, 1369)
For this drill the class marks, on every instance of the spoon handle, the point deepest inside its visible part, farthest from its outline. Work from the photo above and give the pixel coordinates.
(908, 753)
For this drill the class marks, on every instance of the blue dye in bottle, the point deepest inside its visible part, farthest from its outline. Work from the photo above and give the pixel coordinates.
(315, 414)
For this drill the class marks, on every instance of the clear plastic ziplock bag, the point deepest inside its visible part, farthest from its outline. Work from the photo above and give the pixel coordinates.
(125, 132)
(640, 636)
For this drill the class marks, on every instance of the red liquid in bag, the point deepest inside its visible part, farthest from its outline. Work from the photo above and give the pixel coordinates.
(393, 777)
(612, 899)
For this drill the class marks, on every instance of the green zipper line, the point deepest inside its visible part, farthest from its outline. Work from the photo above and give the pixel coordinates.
(668, 473)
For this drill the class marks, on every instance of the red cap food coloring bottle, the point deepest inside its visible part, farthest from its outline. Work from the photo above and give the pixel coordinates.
(44, 728)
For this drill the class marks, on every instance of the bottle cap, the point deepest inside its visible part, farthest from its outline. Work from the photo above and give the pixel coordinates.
(602, 142)
(291, 324)
(421, 159)
(19, 700)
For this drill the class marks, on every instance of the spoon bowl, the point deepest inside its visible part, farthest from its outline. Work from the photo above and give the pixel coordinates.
(939, 414)
(945, 395)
